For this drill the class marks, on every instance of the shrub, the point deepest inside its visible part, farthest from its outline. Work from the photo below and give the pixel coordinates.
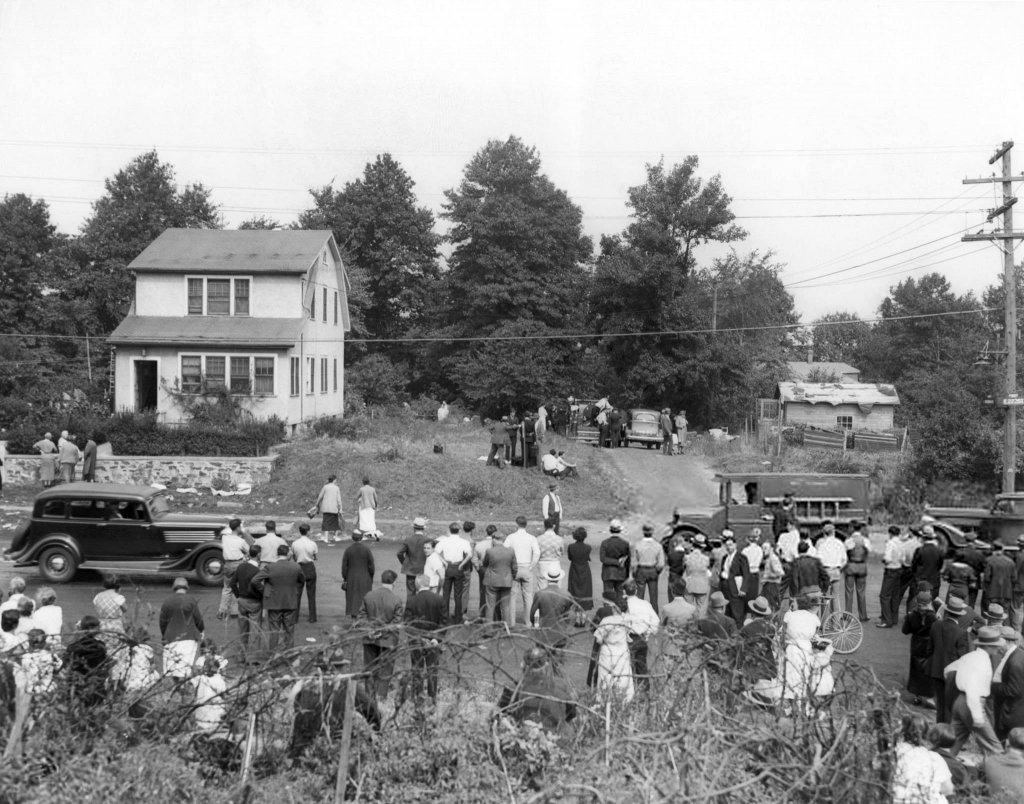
(470, 491)
(349, 428)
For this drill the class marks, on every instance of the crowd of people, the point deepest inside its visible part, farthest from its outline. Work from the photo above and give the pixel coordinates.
(59, 461)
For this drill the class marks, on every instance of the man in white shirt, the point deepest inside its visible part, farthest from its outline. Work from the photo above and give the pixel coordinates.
(433, 567)
(457, 553)
(304, 550)
(892, 568)
(643, 623)
(551, 506)
(269, 542)
(832, 554)
(788, 541)
(549, 463)
(527, 552)
(973, 678)
(235, 549)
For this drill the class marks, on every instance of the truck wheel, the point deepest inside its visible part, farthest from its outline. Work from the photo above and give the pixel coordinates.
(57, 564)
(210, 568)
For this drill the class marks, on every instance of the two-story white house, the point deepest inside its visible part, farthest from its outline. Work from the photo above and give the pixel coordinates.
(262, 313)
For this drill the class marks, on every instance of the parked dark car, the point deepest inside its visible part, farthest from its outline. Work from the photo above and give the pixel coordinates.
(112, 526)
(644, 428)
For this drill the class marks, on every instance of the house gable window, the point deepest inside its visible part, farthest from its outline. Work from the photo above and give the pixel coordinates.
(250, 375)
(218, 295)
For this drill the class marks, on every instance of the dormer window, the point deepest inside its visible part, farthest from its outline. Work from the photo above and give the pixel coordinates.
(214, 295)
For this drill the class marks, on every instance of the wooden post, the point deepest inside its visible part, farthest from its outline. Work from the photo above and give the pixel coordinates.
(22, 704)
(249, 740)
(346, 741)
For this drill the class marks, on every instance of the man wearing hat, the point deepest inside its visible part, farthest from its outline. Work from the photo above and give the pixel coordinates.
(696, 574)
(540, 696)
(997, 580)
(412, 555)
(758, 634)
(551, 506)
(614, 555)
(554, 611)
(648, 559)
(666, 431)
(1008, 685)
(948, 643)
(972, 676)
(927, 562)
(716, 624)
(973, 557)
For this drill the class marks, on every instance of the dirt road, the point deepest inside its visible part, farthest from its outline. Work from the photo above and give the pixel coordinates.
(659, 482)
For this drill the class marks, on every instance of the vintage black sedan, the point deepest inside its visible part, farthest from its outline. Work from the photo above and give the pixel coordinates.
(116, 527)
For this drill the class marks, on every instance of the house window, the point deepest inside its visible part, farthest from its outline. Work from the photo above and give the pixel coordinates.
(846, 422)
(195, 296)
(263, 376)
(218, 297)
(296, 379)
(323, 375)
(241, 297)
(215, 371)
(335, 308)
(240, 381)
(335, 374)
(191, 374)
(311, 372)
(325, 304)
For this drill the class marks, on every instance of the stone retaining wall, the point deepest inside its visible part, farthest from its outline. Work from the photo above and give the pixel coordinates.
(173, 472)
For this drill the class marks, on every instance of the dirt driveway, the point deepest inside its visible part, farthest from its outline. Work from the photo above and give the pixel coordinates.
(658, 483)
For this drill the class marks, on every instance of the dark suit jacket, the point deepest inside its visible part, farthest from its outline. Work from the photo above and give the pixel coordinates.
(426, 613)
(999, 574)
(411, 553)
(381, 608)
(1008, 695)
(716, 625)
(612, 549)
(554, 606)
(740, 568)
(180, 618)
(807, 571)
(241, 584)
(949, 643)
(499, 565)
(281, 584)
(927, 565)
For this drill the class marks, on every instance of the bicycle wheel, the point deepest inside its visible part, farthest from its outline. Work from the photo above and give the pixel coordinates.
(843, 630)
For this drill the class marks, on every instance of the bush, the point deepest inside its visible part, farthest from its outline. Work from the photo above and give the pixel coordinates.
(350, 428)
(141, 434)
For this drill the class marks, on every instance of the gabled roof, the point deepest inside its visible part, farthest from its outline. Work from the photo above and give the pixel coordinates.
(799, 369)
(864, 394)
(150, 330)
(227, 251)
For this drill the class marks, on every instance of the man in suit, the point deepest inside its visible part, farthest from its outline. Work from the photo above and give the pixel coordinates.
(425, 617)
(555, 610)
(743, 583)
(1008, 686)
(998, 578)
(412, 556)
(806, 571)
(716, 624)
(382, 611)
(281, 584)
(499, 569)
(927, 562)
(973, 557)
(250, 601)
(614, 554)
(949, 643)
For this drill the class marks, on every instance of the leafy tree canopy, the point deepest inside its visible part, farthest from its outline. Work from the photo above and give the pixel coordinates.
(839, 337)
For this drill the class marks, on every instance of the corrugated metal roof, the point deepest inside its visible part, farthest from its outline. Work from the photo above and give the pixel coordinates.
(799, 369)
(839, 393)
(146, 330)
(250, 251)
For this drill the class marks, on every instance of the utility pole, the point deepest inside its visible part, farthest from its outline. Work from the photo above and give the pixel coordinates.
(1007, 235)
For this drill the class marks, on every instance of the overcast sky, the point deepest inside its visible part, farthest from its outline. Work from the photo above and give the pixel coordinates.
(846, 110)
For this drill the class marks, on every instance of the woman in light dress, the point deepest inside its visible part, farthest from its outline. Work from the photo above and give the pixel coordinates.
(921, 775)
(49, 617)
(614, 668)
(110, 607)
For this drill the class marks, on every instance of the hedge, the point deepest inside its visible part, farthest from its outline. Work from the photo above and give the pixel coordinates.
(141, 434)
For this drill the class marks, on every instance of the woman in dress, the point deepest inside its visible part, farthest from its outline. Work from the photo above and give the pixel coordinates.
(614, 665)
(921, 776)
(48, 459)
(581, 582)
(918, 624)
(110, 607)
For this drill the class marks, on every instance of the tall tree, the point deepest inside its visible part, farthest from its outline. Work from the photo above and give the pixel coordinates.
(517, 268)
(141, 201)
(839, 337)
(26, 237)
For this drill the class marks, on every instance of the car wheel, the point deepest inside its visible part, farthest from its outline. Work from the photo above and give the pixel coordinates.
(210, 568)
(57, 564)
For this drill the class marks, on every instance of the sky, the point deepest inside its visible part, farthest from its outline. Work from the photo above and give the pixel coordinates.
(841, 130)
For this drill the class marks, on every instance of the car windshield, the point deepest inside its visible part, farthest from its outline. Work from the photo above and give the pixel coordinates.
(158, 505)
